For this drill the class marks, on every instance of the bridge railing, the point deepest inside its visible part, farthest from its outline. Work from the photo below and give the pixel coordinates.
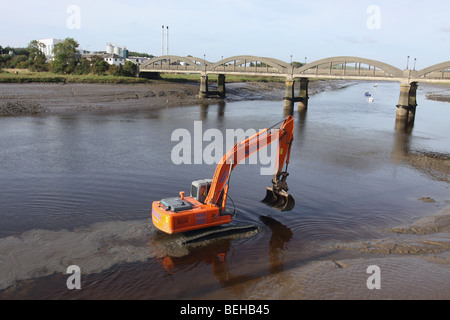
(335, 67)
(443, 75)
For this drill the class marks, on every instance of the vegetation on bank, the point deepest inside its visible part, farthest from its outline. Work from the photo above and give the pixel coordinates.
(66, 61)
(27, 76)
(27, 65)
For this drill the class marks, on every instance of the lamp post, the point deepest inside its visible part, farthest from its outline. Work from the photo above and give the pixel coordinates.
(407, 63)
(204, 62)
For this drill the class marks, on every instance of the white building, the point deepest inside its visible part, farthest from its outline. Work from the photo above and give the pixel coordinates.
(114, 59)
(49, 46)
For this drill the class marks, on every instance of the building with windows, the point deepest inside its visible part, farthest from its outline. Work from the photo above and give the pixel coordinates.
(114, 59)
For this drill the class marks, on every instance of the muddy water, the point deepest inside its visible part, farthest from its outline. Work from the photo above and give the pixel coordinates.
(77, 190)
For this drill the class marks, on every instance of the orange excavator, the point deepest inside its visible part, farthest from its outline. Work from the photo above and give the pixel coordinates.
(206, 206)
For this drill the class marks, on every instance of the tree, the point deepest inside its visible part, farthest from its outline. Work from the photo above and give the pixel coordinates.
(296, 64)
(36, 58)
(99, 65)
(129, 69)
(65, 60)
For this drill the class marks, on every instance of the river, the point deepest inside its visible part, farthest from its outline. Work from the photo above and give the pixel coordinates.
(77, 189)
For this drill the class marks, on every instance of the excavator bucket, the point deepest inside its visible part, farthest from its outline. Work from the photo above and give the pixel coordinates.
(279, 200)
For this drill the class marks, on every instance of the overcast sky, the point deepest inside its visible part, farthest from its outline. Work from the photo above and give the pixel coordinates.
(383, 30)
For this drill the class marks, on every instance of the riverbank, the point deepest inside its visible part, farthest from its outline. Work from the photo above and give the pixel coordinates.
(35, 98)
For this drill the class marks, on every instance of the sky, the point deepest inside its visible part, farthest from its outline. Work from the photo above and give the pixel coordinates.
(387, 31)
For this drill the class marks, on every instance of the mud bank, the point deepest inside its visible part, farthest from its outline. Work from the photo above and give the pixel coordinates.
(62, 98)
(39, 253)
(414, 261)
(437, 92)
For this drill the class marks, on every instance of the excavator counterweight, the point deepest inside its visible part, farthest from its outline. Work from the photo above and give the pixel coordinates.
(206, 206)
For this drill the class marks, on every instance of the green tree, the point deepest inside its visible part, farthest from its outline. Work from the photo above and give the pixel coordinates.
(83, 67)
(99, 66)
(19, 62)
(36, 58)
(129, 69)
(296, 64)
(115, 70)
(66, 59)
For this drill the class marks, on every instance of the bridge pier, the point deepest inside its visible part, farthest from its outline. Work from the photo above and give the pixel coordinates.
(221, 86)
(206, 93)
(204, 87)
(290, 99)
(406, 107)
(303, 96)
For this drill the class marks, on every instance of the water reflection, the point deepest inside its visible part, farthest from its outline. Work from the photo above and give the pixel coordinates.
(403, 125)
(281, 235)
(215, 253)
(205, 107)
(436, 165)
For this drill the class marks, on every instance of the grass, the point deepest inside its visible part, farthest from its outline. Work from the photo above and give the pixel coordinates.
(25, 76)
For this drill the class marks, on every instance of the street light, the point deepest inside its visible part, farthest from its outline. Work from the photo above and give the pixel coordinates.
(407, 63)
(204, 62)
(415, 59)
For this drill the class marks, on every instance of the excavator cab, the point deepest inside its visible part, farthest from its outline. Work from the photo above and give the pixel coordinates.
(200, 189)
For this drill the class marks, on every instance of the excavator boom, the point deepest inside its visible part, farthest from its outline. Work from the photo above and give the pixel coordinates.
(207, 205)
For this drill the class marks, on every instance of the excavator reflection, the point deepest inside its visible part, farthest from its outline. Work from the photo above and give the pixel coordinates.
(217, 255)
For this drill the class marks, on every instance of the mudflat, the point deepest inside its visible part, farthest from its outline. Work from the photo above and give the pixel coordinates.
(35, 98)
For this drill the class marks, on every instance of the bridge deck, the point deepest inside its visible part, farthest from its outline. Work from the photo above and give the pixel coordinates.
(347, 68)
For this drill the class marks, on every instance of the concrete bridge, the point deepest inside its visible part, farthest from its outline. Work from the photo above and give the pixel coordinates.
(339, 68)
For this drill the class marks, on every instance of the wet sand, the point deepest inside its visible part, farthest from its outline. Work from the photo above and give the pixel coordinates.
(408, 254)
(414, 262)
(18, 99)
(437, 92)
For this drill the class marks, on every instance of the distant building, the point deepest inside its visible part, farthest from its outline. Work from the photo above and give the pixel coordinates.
(113, 49)
(49, 46)
(114, 59)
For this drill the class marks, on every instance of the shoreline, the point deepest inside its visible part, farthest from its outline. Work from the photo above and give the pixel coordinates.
(45, 98)
(54, 98)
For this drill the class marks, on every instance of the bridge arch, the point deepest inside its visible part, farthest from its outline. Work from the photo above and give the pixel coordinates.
(195, 64)
(435, 68)
(327, 62)
(238, 61)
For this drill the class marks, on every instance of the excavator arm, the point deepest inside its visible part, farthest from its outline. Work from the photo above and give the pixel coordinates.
(277, 196)
(182, 214)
